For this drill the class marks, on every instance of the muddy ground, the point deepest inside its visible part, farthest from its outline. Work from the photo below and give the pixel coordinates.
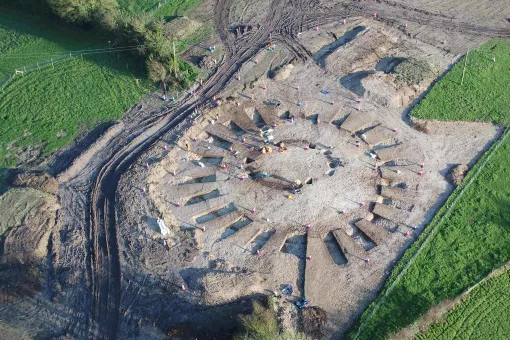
(98, 266)
(229, 213)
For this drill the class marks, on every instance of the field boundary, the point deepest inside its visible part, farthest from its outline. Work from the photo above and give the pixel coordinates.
(60, 57)
(432, 232)
(459, 300)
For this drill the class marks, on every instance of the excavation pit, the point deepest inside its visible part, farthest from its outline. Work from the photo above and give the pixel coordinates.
(339, 163)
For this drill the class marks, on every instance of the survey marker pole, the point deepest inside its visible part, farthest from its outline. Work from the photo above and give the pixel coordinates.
(464, 70)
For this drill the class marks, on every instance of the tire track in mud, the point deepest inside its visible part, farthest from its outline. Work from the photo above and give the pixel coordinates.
(284, 20)
(104, 272)
(401, 15)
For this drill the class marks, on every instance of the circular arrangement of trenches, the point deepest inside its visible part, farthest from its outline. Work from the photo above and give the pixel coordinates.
(299, 179)
(287, 198)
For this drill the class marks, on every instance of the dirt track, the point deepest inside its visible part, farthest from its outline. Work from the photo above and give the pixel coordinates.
(88, 198)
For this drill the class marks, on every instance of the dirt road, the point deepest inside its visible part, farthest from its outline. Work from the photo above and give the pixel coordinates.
(88, 196)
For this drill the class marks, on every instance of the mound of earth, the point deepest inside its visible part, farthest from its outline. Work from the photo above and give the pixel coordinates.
(314, 320)
(284, 72)
(180, 28)
(457, 174)
(384, 90)
(207, 62)
(39, 181)
(27, 219)
(223, 287)
(362, 52)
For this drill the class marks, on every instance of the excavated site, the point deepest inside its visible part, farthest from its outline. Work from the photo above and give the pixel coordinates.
(296, 163)
(336, 130)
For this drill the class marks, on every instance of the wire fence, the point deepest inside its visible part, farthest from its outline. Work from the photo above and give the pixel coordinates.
(56, 58)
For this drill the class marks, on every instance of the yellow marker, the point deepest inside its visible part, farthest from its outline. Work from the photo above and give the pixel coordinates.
(290, 197)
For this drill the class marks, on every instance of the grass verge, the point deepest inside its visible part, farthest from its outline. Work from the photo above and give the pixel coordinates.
(470, 235)
(482, 315)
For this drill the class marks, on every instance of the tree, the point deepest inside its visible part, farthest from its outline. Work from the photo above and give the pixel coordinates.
(76, 11)
(106, 13)
(103, 12)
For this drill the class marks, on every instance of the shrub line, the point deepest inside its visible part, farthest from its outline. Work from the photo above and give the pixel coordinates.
(431, 233)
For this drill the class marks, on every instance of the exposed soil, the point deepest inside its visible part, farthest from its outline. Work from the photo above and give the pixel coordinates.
(105, 271)
(337, 176)
(36, 180)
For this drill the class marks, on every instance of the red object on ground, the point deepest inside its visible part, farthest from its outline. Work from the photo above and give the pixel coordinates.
(309, 257)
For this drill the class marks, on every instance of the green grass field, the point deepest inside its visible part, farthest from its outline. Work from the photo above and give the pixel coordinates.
(483, 315)
(484, 94)
(47, 107)
(472, 239)
(168, 8)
